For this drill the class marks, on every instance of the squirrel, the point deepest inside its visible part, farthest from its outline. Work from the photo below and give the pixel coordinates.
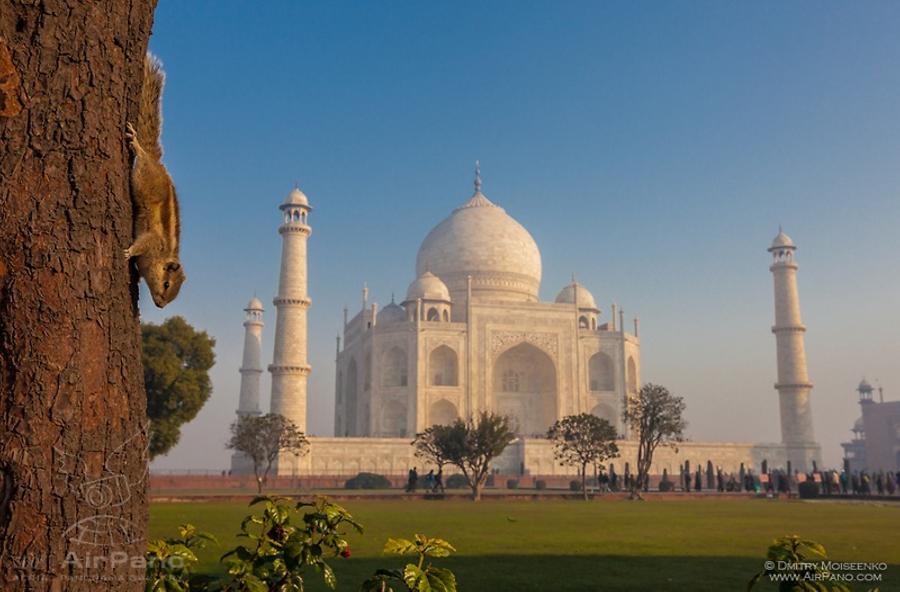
(157, 226)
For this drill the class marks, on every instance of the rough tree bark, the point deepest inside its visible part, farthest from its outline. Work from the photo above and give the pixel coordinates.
(73, 502)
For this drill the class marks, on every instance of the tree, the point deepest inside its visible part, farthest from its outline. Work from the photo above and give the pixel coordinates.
(263, 438)
(580, 440)
(655, 416)
(177, 359)
(472, 445)
(431, 445)
(72, 401)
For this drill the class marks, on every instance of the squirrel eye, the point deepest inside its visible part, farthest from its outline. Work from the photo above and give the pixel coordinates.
(165, 285)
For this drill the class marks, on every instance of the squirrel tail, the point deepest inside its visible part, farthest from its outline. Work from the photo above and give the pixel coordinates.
(150, 119)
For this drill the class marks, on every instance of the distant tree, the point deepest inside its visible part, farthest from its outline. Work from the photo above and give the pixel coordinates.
(176, 359)
(431, 445)
(580, 440)
(472, 445)
(655, 417)
(263, 438)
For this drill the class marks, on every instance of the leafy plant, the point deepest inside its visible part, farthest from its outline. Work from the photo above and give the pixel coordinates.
(169, 561)
(656, 416)
(415, 577)
(807, 572)
(280, 550)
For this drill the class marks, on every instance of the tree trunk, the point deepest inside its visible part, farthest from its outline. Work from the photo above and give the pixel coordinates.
(73, 428)
(584, 481)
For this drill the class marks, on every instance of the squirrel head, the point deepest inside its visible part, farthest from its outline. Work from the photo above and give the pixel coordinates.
(164, 278)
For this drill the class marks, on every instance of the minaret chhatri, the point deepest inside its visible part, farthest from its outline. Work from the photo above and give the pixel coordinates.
(794, 387)
(251, 370)
(289, 367)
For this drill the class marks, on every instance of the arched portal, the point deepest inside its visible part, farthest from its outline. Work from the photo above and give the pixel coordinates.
(632, 376)
(442, 365)
(442, 412)
(600, 369)
(394, 369)
(393, 419)
(604, 411)
(525, 389)
(351, 400)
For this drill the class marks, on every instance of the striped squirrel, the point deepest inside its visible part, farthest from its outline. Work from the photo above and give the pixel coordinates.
(157, 227)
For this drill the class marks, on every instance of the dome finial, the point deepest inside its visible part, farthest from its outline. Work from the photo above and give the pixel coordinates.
(477, 177)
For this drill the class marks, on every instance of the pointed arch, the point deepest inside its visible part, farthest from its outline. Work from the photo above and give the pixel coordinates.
(525, 388)
(442, 412)
(600, 372)
(393, 419)
(351, 399)
(632, 377)
(394, 369)
(443, 367)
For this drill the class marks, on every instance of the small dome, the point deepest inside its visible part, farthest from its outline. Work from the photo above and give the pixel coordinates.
(428, 287)
(585, 298)
(296, 198)
(782, 241)
(864, 386)
(392, 313)
(254, 304)
(858, 425)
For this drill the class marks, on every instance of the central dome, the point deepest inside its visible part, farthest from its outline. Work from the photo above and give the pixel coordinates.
(481, 240)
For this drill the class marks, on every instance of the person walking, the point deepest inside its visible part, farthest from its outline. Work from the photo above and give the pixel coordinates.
(439, 481)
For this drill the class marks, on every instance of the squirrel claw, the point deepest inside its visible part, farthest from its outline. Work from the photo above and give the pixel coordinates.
(128, 253)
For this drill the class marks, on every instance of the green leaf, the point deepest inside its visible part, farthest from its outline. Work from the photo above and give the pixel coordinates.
(415, 579)
(440, 579)
(328, 576)
(253, 584)
(399, 546)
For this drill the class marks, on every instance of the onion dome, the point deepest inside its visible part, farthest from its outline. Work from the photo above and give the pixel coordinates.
(573, 291)
(428, 287)
(392, 313)
(254, 304)
(479, 239)
(782, 241)
(296, 198)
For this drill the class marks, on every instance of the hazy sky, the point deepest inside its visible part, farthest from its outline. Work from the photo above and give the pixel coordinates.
(651, 148)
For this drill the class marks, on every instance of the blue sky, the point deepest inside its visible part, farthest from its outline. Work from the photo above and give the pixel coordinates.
(651, 148)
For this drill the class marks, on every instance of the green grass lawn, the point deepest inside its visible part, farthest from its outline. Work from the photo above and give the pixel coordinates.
(549, 545)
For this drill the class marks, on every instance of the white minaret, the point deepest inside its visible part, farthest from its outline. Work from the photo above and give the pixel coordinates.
(289, 367)
(793, 384)
(251, 370)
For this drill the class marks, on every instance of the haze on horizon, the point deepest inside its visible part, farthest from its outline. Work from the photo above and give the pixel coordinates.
(653, 150)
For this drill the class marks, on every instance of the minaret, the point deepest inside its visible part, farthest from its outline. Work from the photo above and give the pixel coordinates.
(251, 365)
(289, 367)
(251, 370)
(793, 384)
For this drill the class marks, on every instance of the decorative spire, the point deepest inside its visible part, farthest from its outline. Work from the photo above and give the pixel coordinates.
(477, 177)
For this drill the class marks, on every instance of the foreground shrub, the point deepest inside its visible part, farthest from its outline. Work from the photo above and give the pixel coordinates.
(540, 484)
(512, 483)
(279, 550)
(457, 482)
(666, 486)
(170, 561)
(808, 572)
(574, 485)
(368, 481)
(415, 577)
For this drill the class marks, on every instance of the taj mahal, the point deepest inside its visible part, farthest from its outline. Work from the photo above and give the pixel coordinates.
(472, 335)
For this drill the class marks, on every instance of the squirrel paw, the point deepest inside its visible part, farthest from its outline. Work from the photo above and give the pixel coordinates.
(131, 136)
(128, 254)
